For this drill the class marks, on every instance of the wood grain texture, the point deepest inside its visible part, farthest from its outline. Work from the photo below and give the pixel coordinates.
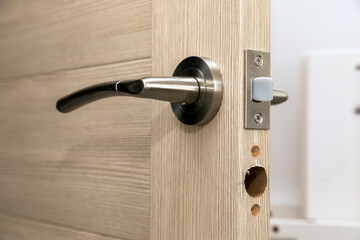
(45, 36)
(197, 173)
(89, 169)
(12, 228)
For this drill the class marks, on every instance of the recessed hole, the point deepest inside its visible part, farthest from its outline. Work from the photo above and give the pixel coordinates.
(275, 229)
(255, 210)
(255, 181)
(255, 151)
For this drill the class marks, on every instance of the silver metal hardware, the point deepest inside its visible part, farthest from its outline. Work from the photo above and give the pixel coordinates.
(259, 61)
(257, 113)
(279, 96)
(258, 118)
(210, 91)
(195, 91)
(253, 69)
(169, 89)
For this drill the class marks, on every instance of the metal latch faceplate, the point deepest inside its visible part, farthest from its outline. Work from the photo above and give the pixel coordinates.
(257, 114)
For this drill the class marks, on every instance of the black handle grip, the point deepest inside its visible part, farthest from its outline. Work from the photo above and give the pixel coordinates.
(99, 91)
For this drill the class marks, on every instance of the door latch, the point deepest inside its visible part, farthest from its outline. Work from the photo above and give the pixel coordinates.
(259, 93)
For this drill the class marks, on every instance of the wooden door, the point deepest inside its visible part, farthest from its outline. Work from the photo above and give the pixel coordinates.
(126, 168)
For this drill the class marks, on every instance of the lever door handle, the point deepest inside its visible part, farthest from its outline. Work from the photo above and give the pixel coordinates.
(195, 91)
(172, 89)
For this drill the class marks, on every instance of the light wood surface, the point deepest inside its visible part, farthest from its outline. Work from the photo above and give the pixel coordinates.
(13, 228)
(44, 36)
(88, 169)
(96, 173)
(197, 173)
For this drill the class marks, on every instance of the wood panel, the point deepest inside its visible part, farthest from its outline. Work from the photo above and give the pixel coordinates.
(45, 36)
(89, 169)
(197, 173)
(12, 228)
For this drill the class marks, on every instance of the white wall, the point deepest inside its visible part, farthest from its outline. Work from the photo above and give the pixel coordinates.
(297, 26)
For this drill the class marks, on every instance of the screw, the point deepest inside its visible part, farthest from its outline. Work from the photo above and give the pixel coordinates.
(258, 118)
(259, 61)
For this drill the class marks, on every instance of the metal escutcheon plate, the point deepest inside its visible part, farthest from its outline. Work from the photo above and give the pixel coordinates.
(205, 108)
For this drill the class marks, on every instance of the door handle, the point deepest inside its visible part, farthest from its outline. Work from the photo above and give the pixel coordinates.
(195, 91)
(172, 89)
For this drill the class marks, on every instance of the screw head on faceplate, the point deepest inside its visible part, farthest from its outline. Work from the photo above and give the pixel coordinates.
(259, 61)
(258, 118)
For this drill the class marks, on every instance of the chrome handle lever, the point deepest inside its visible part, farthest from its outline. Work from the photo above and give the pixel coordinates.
(171, 89)
(195, 91)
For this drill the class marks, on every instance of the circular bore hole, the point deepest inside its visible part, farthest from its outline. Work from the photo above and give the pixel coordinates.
(275, 229)
(255, 210)
(255, 181)
(255, 151)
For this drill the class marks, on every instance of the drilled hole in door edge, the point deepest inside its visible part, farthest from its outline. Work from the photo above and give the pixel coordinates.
(255, 181)
(255, 210)
(255, 151)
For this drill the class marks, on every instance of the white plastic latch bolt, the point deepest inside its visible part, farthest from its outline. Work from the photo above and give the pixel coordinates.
(262, 89)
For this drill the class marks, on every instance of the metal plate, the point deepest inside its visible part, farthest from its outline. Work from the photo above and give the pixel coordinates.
(205, 108)
(252, 108)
